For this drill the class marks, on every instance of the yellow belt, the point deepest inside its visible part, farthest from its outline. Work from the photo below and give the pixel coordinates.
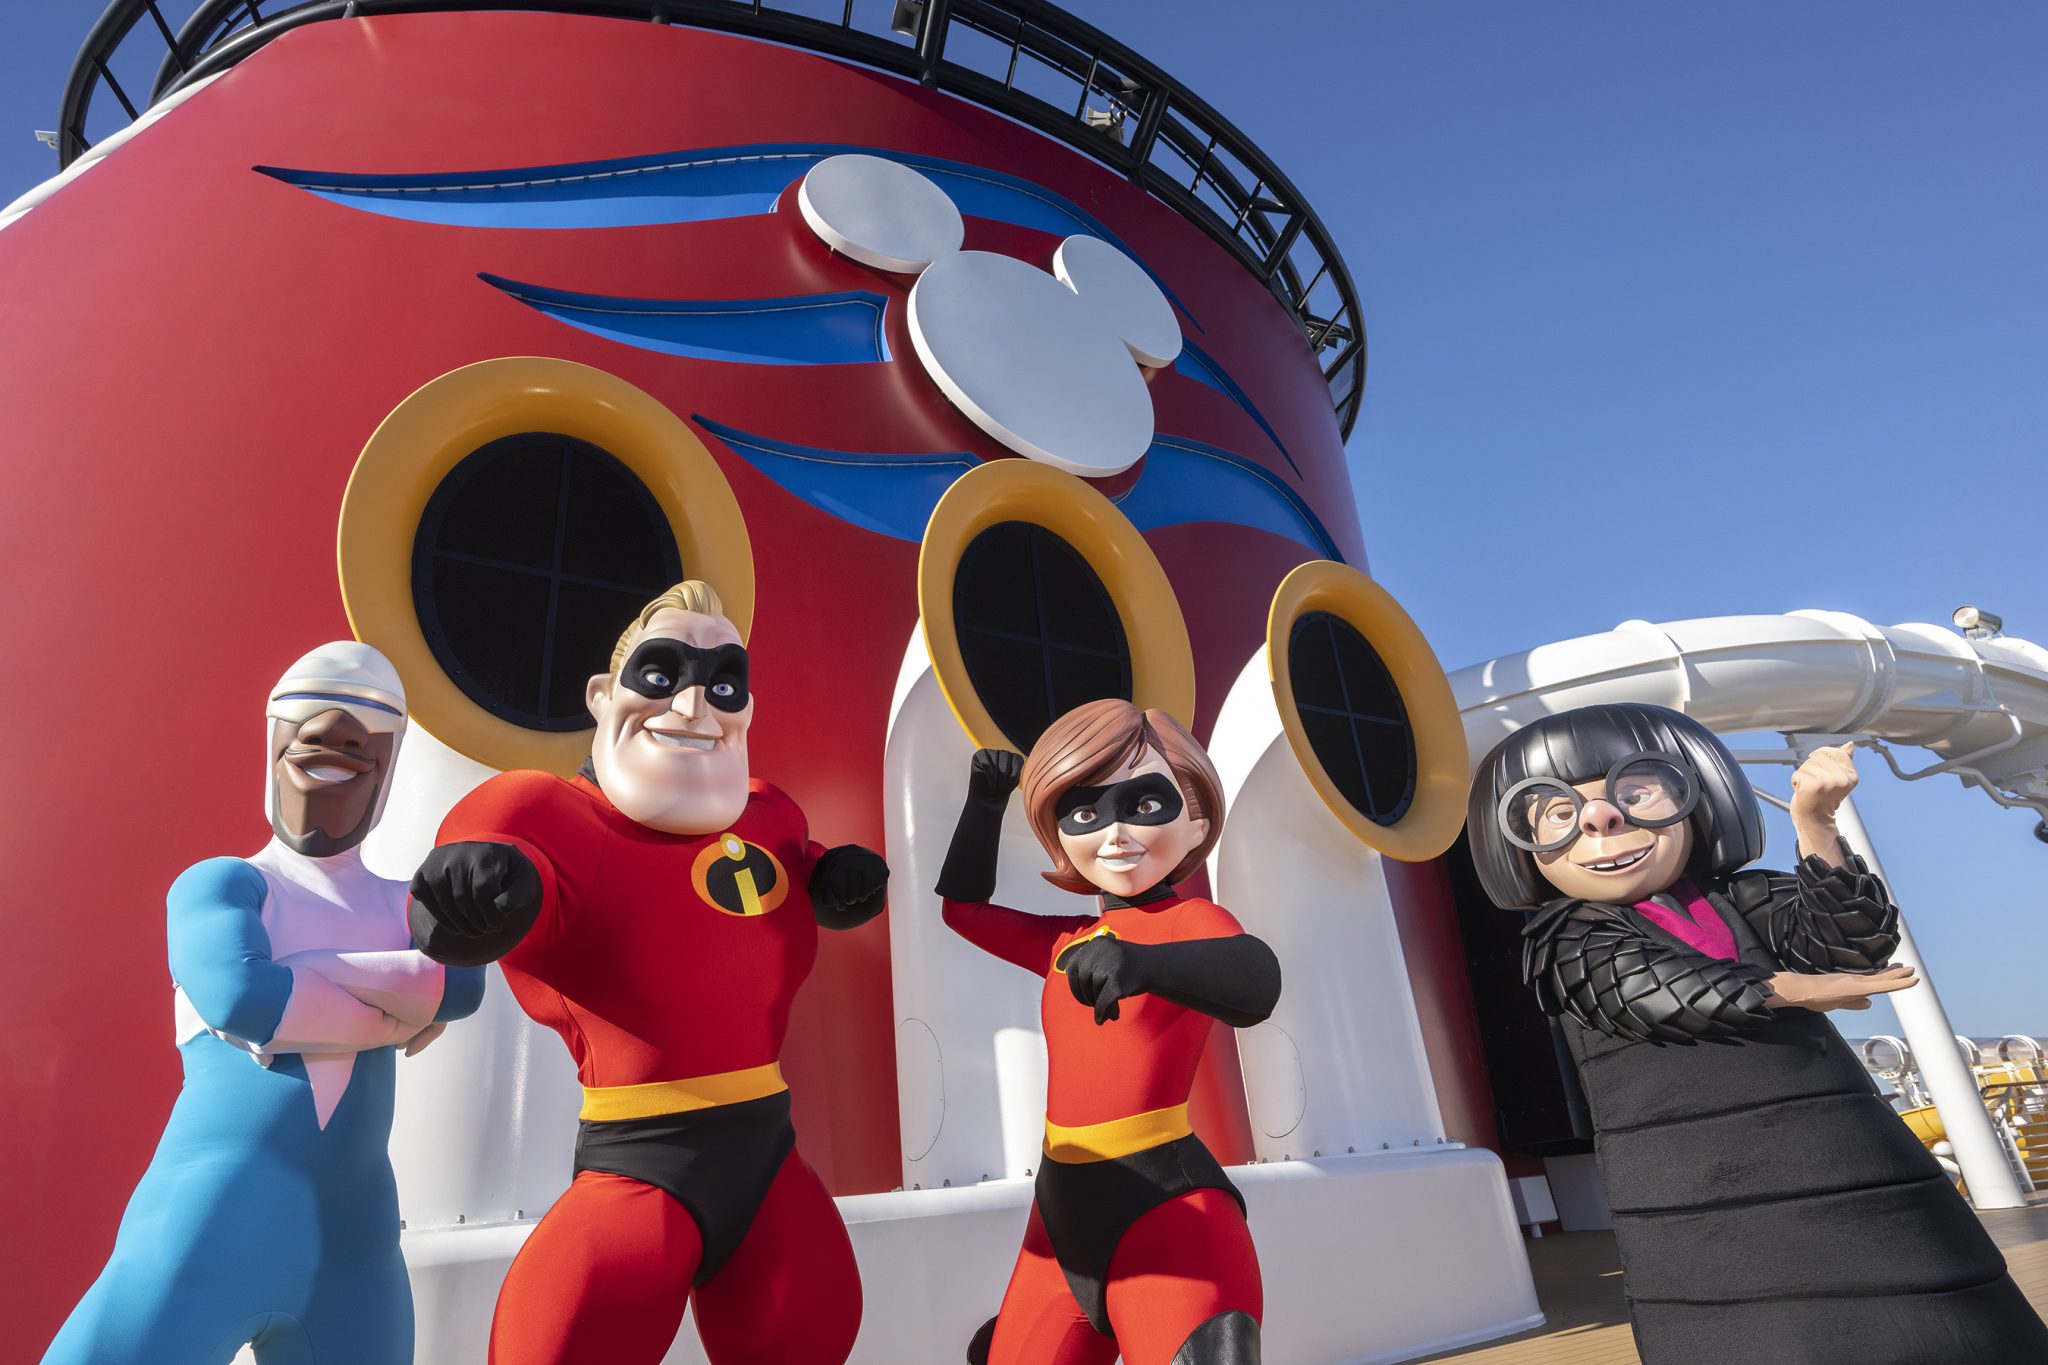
(675, 1097)
(1118, 1137)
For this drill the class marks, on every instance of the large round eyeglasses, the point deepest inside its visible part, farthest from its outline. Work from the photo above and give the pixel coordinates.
(1541, 814)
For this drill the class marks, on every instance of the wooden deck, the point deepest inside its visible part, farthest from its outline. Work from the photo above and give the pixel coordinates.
(1578, 1280)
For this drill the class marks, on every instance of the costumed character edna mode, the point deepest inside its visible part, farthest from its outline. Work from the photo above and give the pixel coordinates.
(1137, 1240)
(269, 1214)
(1768, 1206)
(659, 911)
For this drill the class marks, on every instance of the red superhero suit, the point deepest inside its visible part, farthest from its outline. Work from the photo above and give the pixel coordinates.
(1137, 1240)
(1121, 1088)
(668, 964)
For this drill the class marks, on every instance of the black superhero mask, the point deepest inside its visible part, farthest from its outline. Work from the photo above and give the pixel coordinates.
(662, 667)
(1152, 799)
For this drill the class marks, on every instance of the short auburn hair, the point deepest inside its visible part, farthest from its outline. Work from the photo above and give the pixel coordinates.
(692, 594)
(1083, 747)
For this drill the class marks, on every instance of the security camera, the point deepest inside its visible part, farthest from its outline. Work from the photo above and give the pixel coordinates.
(1977, 624)
(2041, 831)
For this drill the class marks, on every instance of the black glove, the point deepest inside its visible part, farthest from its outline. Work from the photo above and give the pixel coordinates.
(969, 872)
(1102, 971)
(849, 886)
(1235, 978)
(992, 774)
(473, 902)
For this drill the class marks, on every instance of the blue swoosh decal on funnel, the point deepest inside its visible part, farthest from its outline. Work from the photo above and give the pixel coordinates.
(1197, 365)
(1182, 481)
(1186, 480)
(683, 187)
(805, 329)
(891, 495)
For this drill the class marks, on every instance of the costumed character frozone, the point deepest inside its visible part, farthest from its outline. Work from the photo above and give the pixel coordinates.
(1137, 1240)
(269, 1214)
(659, 911)
(1768, 1205)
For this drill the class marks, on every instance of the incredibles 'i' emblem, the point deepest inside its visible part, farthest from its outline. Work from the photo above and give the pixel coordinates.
(738, 878)
(1059, 964)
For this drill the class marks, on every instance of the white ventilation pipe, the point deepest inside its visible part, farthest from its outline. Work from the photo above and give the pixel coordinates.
(1981, 706)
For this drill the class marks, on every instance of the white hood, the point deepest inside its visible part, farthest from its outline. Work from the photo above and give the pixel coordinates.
(352, 675)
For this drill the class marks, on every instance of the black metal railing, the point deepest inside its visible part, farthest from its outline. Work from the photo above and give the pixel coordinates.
(1023, 58)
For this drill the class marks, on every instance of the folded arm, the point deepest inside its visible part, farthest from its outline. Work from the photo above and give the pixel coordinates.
(323, 1017)
(1594, 963)
(405, 984)
(220, 952)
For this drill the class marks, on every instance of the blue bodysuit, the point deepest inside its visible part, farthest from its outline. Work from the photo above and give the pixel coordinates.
(269, 1214)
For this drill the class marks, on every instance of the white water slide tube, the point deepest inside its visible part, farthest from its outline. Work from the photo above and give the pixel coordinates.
(1981, 706)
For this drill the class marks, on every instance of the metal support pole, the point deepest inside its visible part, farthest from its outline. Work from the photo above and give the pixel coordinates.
(1987, 1169)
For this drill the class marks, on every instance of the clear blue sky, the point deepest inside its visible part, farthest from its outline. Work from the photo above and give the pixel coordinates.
(1722, 308)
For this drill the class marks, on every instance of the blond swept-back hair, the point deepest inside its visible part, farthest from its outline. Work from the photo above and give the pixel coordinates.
(690, 595)
(1090, 742)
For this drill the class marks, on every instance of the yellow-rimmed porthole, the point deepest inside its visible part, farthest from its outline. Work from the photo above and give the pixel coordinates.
(1367, 710)
(1038, 595)
(504, 524)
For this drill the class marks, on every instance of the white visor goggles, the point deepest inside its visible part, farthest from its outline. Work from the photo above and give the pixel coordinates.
(296, 707)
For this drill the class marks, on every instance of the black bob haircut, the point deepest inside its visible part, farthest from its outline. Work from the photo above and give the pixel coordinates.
(1579, 746)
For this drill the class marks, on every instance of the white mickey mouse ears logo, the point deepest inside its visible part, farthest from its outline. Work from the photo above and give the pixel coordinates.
(879, 212)
(1045, 364)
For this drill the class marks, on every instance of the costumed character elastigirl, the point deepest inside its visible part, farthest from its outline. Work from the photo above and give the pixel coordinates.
(659, 911)
(1137, 1240)
(1768, 1205)
(269, 1214)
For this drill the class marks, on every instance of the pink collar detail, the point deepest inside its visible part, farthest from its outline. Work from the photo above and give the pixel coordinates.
(1699, 924)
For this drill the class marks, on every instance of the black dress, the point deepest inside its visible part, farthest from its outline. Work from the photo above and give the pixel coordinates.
(1768, 1205)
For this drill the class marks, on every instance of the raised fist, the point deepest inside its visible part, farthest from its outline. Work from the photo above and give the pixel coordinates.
(993, 775)
(1821, 784)
(471, 902)
(849, 886)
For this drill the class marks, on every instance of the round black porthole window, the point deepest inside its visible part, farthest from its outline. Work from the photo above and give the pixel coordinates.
(1353, 715)
(1038, 632)
(532, 555)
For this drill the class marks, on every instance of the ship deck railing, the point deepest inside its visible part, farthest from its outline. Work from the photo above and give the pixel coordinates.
(1030, 61)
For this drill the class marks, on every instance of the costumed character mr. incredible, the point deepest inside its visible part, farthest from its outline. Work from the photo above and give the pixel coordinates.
(659, 911)
(269, 1215)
